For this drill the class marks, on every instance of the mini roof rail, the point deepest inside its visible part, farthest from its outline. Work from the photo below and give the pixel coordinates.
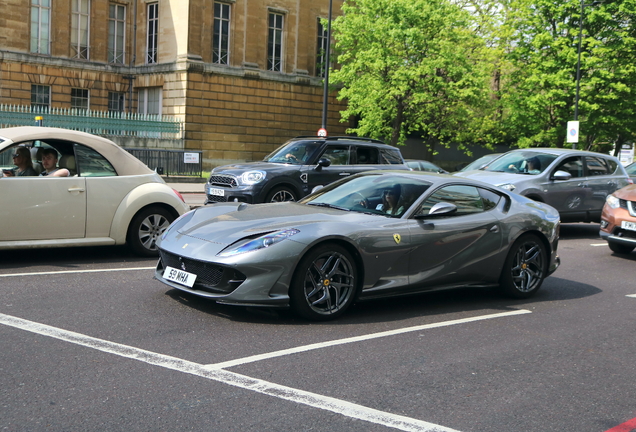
(335, 138)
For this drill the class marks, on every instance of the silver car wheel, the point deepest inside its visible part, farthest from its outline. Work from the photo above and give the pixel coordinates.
(150, 229)
(146, 228)
(282, 195)
(525, 267)
(325, 283)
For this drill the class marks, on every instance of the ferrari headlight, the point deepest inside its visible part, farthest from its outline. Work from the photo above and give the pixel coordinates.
(612, 201)
(259, 243)
(252, 177)
(508, 186)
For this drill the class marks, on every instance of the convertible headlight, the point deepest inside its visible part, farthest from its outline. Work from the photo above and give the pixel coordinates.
(612, 201)
(259, 243)
(252, 177)
(508, 186)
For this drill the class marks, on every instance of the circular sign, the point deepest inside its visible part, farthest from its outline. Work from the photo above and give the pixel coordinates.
(322, 132)
(573, 132)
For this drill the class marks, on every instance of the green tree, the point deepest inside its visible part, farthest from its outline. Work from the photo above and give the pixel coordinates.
(413, 67)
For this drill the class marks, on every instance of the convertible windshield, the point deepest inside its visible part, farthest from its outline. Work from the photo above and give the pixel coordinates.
(296, 152)
(385, 195)
(521, 162)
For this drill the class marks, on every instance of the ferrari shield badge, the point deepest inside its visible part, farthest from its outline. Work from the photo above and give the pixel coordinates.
(397, 238)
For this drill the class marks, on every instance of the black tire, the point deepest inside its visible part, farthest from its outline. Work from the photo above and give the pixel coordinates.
(281, 194)
(146, 228)
(620, 248)
(525, 268)
(324, 284)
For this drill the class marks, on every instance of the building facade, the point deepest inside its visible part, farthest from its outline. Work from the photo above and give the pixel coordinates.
(242, 75)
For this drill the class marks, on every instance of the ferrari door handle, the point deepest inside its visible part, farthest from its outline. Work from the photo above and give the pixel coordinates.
(494, 228)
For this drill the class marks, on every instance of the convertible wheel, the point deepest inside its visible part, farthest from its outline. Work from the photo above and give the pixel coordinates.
(280, 194)
(525, 267)
(324, 284)
(620, 248)
(146, 228)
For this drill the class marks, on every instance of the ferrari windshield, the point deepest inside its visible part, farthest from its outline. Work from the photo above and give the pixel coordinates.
(386, 195)
(521, 162)
(295, 152)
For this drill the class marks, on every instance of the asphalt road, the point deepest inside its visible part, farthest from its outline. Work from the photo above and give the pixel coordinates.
(90, 342)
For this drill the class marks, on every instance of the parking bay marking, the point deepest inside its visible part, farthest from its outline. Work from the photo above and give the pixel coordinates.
(74, 271)
(313, 400)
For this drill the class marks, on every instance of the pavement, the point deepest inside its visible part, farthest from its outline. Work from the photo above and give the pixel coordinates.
(192, 190)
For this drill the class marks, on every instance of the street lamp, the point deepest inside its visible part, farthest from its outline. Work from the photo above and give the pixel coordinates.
(578, 63)
(325, 93)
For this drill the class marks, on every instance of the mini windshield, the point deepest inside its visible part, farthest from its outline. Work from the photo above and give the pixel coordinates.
(521, 162)
(384, 195)
(296, 152)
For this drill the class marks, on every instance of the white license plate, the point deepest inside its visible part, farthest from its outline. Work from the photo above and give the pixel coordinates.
(216, 191)
(179, 276)
(628, 225)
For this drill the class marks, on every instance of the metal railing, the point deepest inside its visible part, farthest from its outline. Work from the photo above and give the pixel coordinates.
(96, 122)
(187, 163)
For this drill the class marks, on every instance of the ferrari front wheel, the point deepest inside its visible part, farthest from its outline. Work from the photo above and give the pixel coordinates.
(324, 284)
(525, 268)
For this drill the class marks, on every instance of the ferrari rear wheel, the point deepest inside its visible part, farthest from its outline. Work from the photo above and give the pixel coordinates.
(324, 284)
(525, 268)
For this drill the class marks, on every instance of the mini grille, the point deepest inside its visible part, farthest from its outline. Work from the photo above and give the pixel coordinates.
(207, 274)
(215, 198)
(223, 180)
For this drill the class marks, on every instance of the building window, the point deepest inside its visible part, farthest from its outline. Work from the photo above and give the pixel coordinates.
(275, 42)
(80, 24)
(40, 96)
(116, 101)
(221, 41)
(116, 33)
(79, 99)
(40, 26)
(150, 100)
(321, 50)
(153, 33)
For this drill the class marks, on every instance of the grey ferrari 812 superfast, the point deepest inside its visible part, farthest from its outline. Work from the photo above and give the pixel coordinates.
(374, 234)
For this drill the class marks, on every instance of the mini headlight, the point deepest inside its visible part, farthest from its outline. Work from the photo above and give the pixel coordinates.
(508, 186)
(252, 177)
(613, 202)
(259, 243)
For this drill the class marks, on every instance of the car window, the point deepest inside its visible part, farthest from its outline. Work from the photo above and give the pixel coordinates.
(597, 166)
(390, 157)
(572, 165)
(466, 198)
(366, 155)
(631, 169)
(337, 154)
(521, 162)
(89, 163)
(490, 198)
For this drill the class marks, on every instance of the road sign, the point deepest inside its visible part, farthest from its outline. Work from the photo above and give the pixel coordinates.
(573, 131)
(322, 132)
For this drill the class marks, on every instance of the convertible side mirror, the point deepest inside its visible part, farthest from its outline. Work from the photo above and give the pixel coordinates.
(439, 209)
(561, 175)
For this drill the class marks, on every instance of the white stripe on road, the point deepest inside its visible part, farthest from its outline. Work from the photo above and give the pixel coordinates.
(264, 387)
(599, 244)
(304, 348)
(631, 295)
(74, 271)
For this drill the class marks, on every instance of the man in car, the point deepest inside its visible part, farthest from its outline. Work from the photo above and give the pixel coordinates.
(49, 163)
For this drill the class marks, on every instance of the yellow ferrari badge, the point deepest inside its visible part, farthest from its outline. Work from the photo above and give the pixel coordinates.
(397, 238)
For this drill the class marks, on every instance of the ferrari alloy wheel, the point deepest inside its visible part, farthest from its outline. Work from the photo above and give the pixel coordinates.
(146, 228)
(525, 267)
(280, 194)
(324, 284)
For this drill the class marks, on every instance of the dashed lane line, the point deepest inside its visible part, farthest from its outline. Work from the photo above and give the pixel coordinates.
(304, 348)
(313, 400)
(75, 271)
(631, 295)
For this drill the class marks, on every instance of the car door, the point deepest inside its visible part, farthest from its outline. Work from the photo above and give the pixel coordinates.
(601, 181)
(570, 197)
(42, 208)
(340, 157)
(458, 248)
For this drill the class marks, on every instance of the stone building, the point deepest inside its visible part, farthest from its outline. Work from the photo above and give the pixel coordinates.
(242, 75)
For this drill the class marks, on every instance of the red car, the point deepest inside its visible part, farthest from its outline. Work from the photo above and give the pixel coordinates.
(618, 220)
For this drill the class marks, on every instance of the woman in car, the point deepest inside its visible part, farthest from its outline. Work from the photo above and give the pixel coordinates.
(24, 165)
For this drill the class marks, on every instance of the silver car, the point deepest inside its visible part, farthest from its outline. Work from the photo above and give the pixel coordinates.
(371, 235)
(574, 182)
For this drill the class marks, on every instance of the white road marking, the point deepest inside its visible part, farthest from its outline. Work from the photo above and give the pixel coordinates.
(75, 271)
(631, 295)
(304, 348)
(599, 244)
(313, 400)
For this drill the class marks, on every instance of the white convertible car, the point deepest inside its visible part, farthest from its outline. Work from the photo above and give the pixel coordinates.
(109, 197)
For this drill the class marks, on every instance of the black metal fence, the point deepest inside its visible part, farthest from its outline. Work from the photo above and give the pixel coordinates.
(170, 162)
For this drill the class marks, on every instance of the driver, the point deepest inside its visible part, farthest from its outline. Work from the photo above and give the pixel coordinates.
(308, 150)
